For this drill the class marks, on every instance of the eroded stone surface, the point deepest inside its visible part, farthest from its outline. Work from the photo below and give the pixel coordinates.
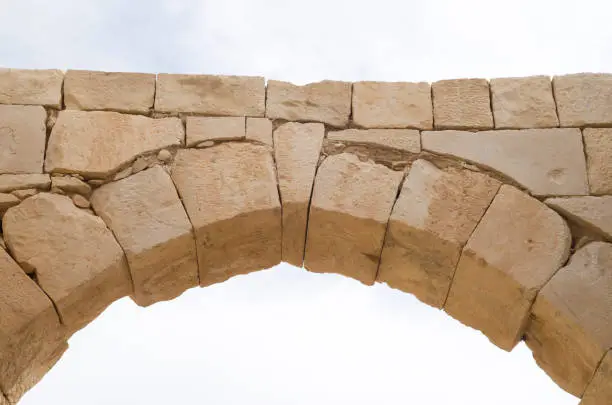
(260, 130)
(584, 99)
(599, 391)
(200, 129)
(434, 216)
(69, 184)
(31, 87)
(462, 104)
(7, 201)
(408, 140)
(11, 182)
(595, 213)
(22, 138)
(598, 149)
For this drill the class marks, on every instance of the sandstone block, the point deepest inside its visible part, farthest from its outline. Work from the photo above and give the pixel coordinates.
(22, 138)
(70, 185)
(200, 129)
(260, 130)
(598, 149)
(584, 99)
(434, 216)
(231, 196)
(545, 161)
(23, 194)
(11, 182)
(31, 87)
(462, 104)
(599, 391)
(515, 249)
(7, 201)
(407, 140)
(595, 213)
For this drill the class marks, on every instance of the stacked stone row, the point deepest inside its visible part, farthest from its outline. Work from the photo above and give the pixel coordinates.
(489, 199)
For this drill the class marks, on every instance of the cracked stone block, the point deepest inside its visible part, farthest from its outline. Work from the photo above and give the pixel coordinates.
(584, 99)
(407, 140)
(462, 104)
(200, 129)
(599, 391)
(259, 130)
(12, 182)
(594, 213)
(22, 139)
(31, 87)
(598, 149)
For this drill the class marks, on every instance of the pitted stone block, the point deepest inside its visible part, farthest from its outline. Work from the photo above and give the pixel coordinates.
(22, 139)
(462, 104)
(584, 99)
(31, 87)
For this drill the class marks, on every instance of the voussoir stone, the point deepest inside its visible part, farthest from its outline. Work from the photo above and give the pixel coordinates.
(584, 99)
(74, 256)
(595, 213)
(259, 130)
(22, 138)
(407, 140)
(148, 219)
(571, 322)
(12, 182)
(201, 129)
(545, 161)
(598, 149)
(31, 87)
(599, 391)
(297, 148)
(462, 104)
(114, 91)
(211, 95)
(351, 204)
(98, 143)
(327, 101)
(231, 196)
(515, 249)
(434, 216)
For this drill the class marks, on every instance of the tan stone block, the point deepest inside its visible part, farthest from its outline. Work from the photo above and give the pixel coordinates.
(211, 95)
(598, 149)
(230, 194)
(595, 213)
(200, 129)
(297, 149)
(392, 105)
(11, 182)
(434, 216)
(23, 194)
(462, 104)
(599, 391)
(351, 204)
(408, 140)
(545, 161)
(69, 184)
(260, 130)
(584, 99)
(523, 102)
(327, 101)
(22, 138)
(148, 219)
(31, 87)
(7, 201)
(515, 249)
(43, 233)
(110, 91)
(98, 143)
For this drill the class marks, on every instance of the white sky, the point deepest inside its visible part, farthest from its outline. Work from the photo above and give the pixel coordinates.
(284, 336)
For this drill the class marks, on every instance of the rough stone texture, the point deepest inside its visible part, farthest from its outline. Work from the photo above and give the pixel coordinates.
(43, 232)
(22, 194)
(80, 201)
(408, 140)
(515, 249)
(7, 201)
(211, 95)
(595, 213)
(599, 391)
(98, 143)
(570, 331)
(584, 99)
(112, 91)
(11, 182)
(351, 204)
(545, 161)
(434, 216)
(392, 105)
(598, 149)
(200, 129)
(69, 184)
(523, 102)
(148, 219)
(462, 104)
(297, 150)
(22, 138)
(328, 102)
(260, 130)
(31, 87)
(231, 197)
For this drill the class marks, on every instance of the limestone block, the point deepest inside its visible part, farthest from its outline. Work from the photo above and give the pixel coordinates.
(571, 322)
(211, 95)
(351, 204)
(584, 99)
(328, 102)
(434, 216)
(407, 140)
(523, 102)
(297, 148)
(260, 130)
(545, 161)
(11, 182)
(462, 104)
(23, 194)
(7, 201)
(70, 185)
(231, 196)
(598, 149)
(200, 129)
(392, 105)
(111, 91)
(22, 138)
(515, 249)
(74, 256)
(98, 143)
(148, 219)
(594, 213)
(31, 87)
(599, 391)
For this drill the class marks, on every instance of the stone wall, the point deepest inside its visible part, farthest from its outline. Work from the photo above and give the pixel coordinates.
(489, 199)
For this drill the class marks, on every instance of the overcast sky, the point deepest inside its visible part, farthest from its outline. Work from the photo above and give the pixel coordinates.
(284, 336)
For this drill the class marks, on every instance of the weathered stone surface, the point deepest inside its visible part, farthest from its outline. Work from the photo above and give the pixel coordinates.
(31, 87)
(570, 329)
(328, 102)
(97, 143)
(434, 216)
(200, 129)
(408, 140)
(392, 105)
(43, 233)
(462, 104)
(11, 182)
(111, 91)
(231, 197)
(595, 213)
(598, 149)
(211, 95)
(164, 155)
(297, 149)
(260, 130)
(22, 194)
(515, 249)
(7, 201)
(599, 391)
(584, 99)
(351, 204)
(70, 185)
(22, 138)
(523, 102)
(80, 201)
(148, 219)
(545, 161)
